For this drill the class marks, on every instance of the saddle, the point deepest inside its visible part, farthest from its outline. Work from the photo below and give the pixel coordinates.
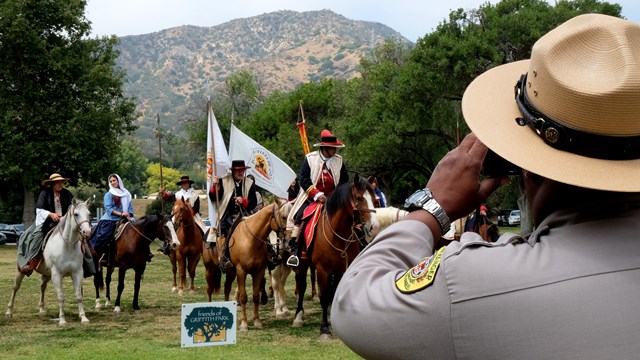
(309, 224)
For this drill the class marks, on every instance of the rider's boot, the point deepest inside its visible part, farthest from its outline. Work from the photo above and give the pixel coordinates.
(225, 262)
(293, 260)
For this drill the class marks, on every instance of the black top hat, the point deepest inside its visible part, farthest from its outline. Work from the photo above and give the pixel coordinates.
(184, 179)
(238, 165)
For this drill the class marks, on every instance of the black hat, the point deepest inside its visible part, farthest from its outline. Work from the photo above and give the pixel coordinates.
(238, 165)
(184, 179)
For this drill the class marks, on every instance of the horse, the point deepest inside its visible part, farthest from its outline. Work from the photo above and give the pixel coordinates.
(130, 251)
(187, 255)
(248, 252)
(389, 215)
(63, 256)
(335, 244)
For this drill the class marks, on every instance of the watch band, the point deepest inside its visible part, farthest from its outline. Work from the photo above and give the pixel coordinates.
(434, 208)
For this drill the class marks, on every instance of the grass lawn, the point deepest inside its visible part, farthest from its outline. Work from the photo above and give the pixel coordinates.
(153, 332)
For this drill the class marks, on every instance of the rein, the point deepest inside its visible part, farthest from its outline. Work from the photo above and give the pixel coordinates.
(138, 231)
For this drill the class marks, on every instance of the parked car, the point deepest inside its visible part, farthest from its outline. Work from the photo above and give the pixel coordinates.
(12, 232)
(206, 222)
(3, 239)
(503, 217)
(514, 218)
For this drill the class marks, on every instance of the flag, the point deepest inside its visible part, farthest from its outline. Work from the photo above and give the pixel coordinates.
(303, 137)
(218, 161)
(271, 173)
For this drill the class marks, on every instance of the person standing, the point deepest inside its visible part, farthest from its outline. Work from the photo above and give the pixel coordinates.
(236, 196)
(320, 173)
(53, 203)
(569, 290)
(380, 200)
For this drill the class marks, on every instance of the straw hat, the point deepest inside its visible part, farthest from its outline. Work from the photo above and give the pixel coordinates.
(55, 177)
(328, 139)
(583, 80)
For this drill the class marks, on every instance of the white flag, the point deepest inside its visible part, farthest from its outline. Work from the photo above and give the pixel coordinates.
(218, 151)
(271, 173)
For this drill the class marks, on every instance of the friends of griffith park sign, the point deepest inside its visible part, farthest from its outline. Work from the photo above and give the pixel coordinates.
(207, 324)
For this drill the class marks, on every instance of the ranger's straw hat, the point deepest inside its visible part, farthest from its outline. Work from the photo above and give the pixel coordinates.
(575, 114)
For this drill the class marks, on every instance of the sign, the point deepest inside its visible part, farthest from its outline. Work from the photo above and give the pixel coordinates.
(208, 324)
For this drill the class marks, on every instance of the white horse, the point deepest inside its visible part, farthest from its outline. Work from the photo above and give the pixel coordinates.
(62, 257)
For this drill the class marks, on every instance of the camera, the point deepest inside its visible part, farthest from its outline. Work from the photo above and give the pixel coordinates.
(496, 166)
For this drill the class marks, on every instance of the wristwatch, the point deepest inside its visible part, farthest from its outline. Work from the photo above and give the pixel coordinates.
(423, 199)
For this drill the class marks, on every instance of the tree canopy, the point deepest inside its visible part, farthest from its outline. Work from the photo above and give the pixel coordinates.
(61, 95)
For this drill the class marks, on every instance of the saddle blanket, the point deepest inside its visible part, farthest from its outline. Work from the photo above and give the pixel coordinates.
(311, 215)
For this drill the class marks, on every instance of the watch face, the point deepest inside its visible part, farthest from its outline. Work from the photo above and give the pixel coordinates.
(413, 200)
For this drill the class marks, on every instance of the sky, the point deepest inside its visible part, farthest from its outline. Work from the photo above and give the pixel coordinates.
(411, 18)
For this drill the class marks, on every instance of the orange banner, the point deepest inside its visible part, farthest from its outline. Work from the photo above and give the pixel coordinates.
(303, 137)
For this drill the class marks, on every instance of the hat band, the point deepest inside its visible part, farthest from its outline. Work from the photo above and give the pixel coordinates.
(564, 138)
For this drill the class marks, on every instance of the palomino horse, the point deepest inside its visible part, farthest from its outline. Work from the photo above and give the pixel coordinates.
(335, 244)
(130, 251)
(187, 254)
(62, 257)
(248, 251)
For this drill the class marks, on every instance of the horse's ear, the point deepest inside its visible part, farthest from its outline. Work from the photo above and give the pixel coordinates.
(89, 201)
(74, 202)
(356, 179)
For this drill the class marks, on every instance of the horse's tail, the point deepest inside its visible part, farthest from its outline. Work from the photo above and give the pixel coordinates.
(216, 282)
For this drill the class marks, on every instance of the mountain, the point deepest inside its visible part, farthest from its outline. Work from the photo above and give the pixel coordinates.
(282, 49)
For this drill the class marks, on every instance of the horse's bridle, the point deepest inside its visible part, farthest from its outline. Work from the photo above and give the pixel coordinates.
(78, 226)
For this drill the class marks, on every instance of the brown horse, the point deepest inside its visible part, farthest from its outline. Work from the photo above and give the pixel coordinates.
(248, 252)
(335, 244)
(187, 255)
(130, 251)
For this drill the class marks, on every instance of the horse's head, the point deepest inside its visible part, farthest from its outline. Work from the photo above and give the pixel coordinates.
(182, 212)
(280, 212)
(81, 215)
(169, 231)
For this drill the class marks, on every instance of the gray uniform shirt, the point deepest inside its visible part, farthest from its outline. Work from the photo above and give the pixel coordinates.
(569, 291)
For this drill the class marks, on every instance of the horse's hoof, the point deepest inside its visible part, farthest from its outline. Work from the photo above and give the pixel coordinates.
(325, 337)
(8, 314)
(62, 323)
(243, 328)
(174, 290)
(84, 320)
(42, 313)
(257, 324)
(180, 292)
(117, 310)
(316, 298)
(298, 321)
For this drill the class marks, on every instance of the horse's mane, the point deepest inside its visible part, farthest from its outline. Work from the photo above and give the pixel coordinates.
(341, 197)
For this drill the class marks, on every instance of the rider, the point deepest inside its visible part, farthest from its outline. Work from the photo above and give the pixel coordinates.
(53, 203)
(117, 206)
(186, 192)
(243, 192)
(320, 173)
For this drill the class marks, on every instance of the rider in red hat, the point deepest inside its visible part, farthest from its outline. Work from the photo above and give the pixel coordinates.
(320, 173)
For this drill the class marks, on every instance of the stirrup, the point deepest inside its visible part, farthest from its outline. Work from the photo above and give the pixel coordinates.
(293, 261)
(211, 244)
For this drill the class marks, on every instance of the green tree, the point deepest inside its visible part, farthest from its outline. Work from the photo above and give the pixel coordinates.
(61, 96)
(169, 178)
(132, 168)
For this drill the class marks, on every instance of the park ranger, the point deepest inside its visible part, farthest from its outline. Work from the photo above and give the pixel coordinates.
(570, 289)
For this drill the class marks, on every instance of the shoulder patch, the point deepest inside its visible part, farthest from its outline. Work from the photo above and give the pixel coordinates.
(421, 275)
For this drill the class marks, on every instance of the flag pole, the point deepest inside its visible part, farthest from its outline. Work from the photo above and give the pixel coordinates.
(213, 157)
(160, 153)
